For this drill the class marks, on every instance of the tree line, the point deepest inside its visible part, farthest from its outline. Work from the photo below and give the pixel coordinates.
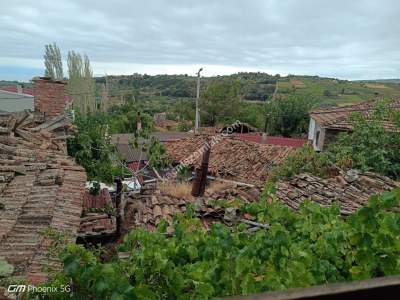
(81, 85)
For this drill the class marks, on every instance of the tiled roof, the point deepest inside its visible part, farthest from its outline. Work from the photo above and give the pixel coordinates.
(40, 187)
(271, 140)
(350, 190)
(146, 210)
(232, 158)
(337, 117)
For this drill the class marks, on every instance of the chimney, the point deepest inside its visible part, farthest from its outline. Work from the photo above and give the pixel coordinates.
(49, 96)
(199, 183)
(19, 89)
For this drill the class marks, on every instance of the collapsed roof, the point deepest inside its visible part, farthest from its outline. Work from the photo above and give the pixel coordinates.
(40, 188)
(147, 209)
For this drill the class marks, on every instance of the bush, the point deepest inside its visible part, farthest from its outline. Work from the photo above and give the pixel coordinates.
(314, 246)
(304, 160)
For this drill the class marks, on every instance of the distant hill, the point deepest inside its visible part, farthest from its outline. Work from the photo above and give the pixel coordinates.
(395, 81)
(256, 87)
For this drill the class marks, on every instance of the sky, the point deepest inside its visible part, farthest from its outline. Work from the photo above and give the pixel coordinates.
(342, 39)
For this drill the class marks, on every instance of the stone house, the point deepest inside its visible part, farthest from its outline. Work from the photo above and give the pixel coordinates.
(327, 123)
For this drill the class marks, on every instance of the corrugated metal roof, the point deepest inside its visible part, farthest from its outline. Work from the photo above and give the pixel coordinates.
(13, 102)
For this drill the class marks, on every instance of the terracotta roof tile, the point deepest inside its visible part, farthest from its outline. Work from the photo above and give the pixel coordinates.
(337, 117)
(42, 188)
(140, 212)
(232, 158)
(350, 191)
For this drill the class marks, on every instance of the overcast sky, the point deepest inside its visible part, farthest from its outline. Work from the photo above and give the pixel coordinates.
(345, 39)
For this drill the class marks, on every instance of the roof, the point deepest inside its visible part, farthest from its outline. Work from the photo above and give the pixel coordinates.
(147, 210)
(271, 140)
(130, 154)
(231, 157)
(350, 190)
(338, 117)
(240, 127)
(124, 138)
(13, 102)
(40, 187)
(14, 89)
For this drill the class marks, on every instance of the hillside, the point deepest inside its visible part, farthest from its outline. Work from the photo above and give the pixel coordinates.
(257, 87)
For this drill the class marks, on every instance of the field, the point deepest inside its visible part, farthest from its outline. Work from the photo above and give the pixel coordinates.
(337, 92)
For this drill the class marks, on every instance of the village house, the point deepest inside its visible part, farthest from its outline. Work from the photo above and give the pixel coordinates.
(327, 123)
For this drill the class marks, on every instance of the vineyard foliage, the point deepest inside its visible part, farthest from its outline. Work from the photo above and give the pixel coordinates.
(312, 246)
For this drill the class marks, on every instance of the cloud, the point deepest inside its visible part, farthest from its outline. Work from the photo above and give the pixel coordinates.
(347, 39)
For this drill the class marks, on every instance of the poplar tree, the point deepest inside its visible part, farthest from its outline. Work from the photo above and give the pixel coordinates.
(81, 85)
(53, 62)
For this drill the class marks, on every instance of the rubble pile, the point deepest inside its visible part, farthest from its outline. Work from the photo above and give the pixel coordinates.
(98, 217)
(40, 188)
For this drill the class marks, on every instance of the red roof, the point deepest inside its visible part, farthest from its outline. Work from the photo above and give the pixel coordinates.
(271, 140)
(14, 89)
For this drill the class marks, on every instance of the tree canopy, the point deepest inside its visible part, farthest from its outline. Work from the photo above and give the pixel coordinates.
(220, 102)
(53, 62)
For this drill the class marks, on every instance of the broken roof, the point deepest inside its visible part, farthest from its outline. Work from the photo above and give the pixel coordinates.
(232, 158)
(351, 190)
(338, 117)
(40, 188)
(147, 210)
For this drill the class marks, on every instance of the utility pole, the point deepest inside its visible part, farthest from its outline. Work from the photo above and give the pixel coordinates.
(197, 121)
(266, 127)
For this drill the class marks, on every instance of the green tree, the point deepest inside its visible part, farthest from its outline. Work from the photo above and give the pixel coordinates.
(81, 85)
(91, 147)
(53, 62)
(220, 102)
(289, 116)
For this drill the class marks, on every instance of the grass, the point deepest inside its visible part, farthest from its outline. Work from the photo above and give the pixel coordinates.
(184, 189)
(176, 189)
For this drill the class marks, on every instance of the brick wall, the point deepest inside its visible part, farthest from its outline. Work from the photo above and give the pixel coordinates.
(49, 96)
